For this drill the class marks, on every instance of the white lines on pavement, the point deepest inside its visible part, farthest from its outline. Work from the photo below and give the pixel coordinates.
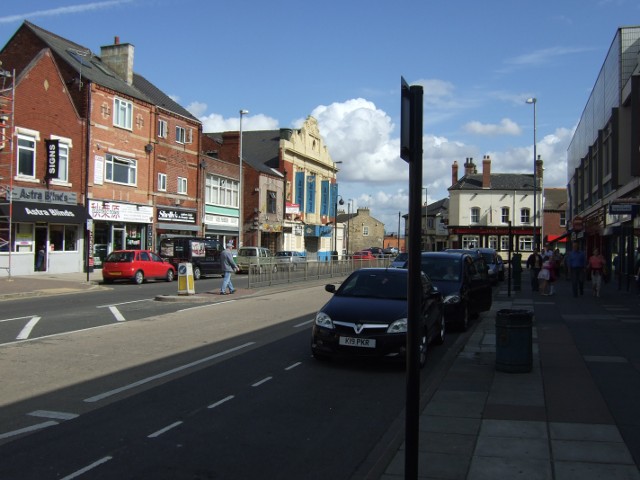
(116, 313)
(124, 303)
(104, 395)
(220, 402)
(26, 331)
(84, 470)
(56, 415)
(291, 367)
(32, 428)
(16, 318)
(304, 324)
(264, 380)
(164, 430)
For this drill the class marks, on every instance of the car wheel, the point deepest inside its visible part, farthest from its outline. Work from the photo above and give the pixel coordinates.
(138, 278)
(424, 347)
(441, 330)
(170, 275)
(197, 273)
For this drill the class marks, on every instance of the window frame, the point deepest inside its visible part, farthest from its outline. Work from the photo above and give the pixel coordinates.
(111, 160)
(122, 113)
(162, 182)
(525, 215)
(221, 191)
(34, 154)
(474, 215)
(163, 128)
(272, 201)
(182, 186)
(505, 214)
(181, 135)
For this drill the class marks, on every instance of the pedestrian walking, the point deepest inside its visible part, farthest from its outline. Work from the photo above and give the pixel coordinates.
(597, 268)
(228, 267)
(576, 262)
(534, 264)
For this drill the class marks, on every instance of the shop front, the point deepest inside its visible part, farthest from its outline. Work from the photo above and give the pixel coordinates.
(46, 235)
(174, 222)
(222, 225)
(119, 226)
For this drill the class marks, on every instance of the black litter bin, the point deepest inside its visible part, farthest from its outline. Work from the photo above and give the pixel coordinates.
(514, 343)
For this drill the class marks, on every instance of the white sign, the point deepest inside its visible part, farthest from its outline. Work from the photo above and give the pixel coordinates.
(98, 170)
(120, 212)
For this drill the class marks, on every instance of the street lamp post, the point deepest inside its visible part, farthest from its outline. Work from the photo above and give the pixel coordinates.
(335, 225)
(240, 186)
(533, 101)
(348, 223)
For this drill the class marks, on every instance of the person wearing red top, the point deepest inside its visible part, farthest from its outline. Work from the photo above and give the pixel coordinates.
(596, 266)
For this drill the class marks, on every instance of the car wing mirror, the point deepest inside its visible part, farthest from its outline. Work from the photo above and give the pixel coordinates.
(331, 288)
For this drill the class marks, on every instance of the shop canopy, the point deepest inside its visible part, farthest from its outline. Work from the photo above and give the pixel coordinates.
(557, 238)
(45, 212)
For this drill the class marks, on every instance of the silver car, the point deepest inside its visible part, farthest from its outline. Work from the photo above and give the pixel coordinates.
(291, 260)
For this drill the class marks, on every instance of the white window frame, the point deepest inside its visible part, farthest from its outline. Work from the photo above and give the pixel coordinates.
(182, 185)
(163, 128)
(474, 215)
(221, 191)
(181, 135)
(365, 230)
(24, 148)
(505, 214)
(130, 165)
(64, 155)
(504, 242)
(525, 215)
(470, 241)
(525, 244)
(162, 182)
(122, 113)
(493, 242)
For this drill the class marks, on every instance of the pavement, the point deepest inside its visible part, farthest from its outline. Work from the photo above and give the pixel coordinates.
(569, 410)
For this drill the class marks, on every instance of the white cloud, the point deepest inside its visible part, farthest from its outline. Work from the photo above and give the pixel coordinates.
(505, 127)
(63, 10)
(215, 122)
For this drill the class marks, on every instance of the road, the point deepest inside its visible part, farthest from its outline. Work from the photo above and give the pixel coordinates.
(215, 391)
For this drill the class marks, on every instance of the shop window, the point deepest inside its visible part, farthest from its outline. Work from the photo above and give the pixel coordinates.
(63, 238)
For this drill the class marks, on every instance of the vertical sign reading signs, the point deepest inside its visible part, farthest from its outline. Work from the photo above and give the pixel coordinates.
(52, 159)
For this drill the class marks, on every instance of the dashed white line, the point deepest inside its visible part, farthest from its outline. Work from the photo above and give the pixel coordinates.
(220, 402)
(304, 324)
(87, 468)
(104, 395)
(291, 367)
(26, 331)
(124, 303)
(116, 313)
(264, 380)
(164, 430)
(32, 428)
(16, 318)
(56, 415)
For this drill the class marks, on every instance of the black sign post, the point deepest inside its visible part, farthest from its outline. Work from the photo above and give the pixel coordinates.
(411, 152)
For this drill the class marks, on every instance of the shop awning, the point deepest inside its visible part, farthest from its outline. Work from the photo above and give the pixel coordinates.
(556, 238)
(45, 212)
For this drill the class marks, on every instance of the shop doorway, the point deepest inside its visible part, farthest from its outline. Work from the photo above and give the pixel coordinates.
(119, 237)
(40, 250)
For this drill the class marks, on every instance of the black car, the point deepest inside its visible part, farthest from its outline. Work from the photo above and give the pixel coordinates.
(462, 279)
(367, 316)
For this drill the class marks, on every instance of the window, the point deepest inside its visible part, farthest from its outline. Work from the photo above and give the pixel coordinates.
(493, 242)
(271, 201)
(120, 170)
(470, 241)
(181, 135)
(182, 185)
(122, 113)
(26, 156)
(311, 194)
(365, 231)
(162, 182)
(221, 191)
(504, 242)
(505, 215)
(64, 147)
(162, 128)
(563, 219)
(526, 244)
(475, 215)
(63, 238)
(525, 215)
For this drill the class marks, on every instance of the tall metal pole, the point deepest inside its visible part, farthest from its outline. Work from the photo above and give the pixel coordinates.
(535, 175)
(240, 186)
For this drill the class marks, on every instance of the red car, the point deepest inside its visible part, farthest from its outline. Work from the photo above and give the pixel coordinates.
(136, 265)
(364, 255)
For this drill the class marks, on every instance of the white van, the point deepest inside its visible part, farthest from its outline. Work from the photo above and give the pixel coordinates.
(256, 260)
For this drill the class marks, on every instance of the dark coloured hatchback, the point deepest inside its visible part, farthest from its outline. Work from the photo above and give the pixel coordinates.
(367, 316)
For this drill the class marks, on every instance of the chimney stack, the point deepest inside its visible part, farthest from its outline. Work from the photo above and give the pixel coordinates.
(119, 58)
(539, 170)
(486, 172)
(454, 173)
(469, 167)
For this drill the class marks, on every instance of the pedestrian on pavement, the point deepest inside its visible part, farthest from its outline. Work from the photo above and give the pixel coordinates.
(228, 266)
(597, 268)
(534, 264)
(576, 262)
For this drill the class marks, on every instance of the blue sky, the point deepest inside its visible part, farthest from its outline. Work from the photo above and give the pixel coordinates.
(341, 61)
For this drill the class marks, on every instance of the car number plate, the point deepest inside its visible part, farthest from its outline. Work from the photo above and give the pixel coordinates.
(358, 342)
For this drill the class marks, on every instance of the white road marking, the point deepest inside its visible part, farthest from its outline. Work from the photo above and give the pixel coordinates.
(104, 395)
(53, 335)
(206, 306)
(125, 303)
(87, 468)
(26, 331)
(163, 430)
(304, 324)
(116, 313)
(264, 380)
(291, 367)
(56, 415)
(220, 402)
(16, 318)
(32, 428)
